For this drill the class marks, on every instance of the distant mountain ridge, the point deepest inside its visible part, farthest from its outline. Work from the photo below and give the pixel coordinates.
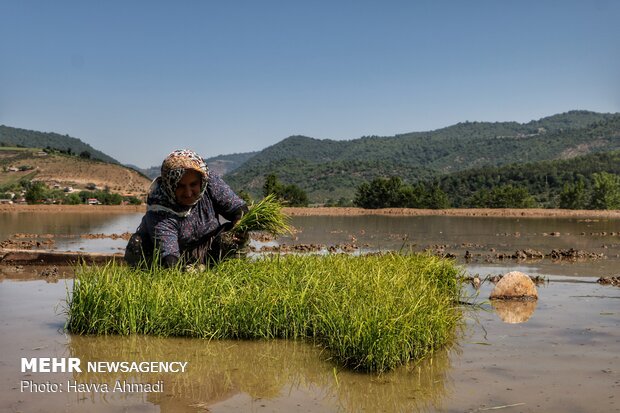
(220, 164)
(10, 136)
(329, 169)
(223, 164)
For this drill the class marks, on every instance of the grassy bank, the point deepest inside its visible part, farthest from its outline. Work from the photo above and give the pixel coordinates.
(371, 312)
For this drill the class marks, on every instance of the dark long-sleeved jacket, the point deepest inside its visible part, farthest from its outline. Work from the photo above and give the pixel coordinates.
(174, 232)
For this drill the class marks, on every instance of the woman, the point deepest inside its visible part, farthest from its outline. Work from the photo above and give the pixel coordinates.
(181, 221)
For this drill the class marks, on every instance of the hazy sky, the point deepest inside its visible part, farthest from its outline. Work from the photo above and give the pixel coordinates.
(137, 79)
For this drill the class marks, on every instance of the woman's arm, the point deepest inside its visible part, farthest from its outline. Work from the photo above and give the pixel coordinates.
(225, 201)
(164, 231)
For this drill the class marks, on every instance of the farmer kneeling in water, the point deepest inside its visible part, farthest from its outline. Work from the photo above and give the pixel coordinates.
(181, 221)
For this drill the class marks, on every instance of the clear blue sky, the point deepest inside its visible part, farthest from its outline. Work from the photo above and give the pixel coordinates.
(137, 79)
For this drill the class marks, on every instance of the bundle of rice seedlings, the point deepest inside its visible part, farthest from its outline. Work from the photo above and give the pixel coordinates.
(371, 313)
(265, 216)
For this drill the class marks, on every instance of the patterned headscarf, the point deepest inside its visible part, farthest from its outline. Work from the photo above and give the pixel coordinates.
(175, 165)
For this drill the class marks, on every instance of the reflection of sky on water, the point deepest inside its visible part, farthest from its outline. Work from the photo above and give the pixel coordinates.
(69, 227)
(91, 245)
(388, 232)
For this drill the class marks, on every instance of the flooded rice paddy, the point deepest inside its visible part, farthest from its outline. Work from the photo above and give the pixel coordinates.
(563, 357)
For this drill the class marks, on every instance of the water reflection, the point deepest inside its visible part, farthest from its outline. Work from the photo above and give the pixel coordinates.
(68, 227)
(473, 233)
(285, 374)
(267, 370)
(514, 311)
(481, 237)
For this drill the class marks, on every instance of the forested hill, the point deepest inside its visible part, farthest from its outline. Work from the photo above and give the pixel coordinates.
(328, 169)
(32, 139)
(545, 180)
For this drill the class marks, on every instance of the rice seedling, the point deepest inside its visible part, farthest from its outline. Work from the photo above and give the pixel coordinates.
(266, 215)
(371, 313)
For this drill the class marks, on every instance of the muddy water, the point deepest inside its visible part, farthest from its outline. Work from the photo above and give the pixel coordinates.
(483, 237)
(67, 228)
(563, 357)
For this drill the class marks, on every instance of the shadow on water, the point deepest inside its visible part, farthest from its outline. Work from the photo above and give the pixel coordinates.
(218, 371)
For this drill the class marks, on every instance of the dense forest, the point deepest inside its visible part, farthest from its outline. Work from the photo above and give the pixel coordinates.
(329, 170)
(585, 182)
(545, 181)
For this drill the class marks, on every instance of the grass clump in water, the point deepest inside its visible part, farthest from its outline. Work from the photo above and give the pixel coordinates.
(372, 313)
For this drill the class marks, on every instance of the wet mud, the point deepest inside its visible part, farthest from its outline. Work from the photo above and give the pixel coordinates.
(613, 281)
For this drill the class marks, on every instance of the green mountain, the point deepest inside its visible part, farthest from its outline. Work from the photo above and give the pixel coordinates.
(328, 169)
(32, 139)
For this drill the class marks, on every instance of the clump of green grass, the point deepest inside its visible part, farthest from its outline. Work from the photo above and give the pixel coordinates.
(372, 313)
(266, 216)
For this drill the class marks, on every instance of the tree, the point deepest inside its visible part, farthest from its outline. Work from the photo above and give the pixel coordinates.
(85, 155)
(382, 193)
(344, 202)
(271, 185)
(291, 194)
(35, 192)
(480, 199)
(412, 196)
(504, 196)
(508, 196)
(105, 197)
(573, 196)
(73, 199)
(606, 191)
(436, 198)
(294, 196)
(394, 193)
(132, 200)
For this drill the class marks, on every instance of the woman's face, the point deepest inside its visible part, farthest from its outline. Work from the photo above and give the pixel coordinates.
(188, 189)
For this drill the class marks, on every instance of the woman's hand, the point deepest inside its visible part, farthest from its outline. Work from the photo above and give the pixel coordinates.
(238, 214)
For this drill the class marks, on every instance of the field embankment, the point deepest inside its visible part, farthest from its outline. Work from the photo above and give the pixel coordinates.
(473, 212)
(335, 211)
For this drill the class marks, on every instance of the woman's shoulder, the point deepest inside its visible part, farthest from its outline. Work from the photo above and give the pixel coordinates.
(157, 213)
(214, 179)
